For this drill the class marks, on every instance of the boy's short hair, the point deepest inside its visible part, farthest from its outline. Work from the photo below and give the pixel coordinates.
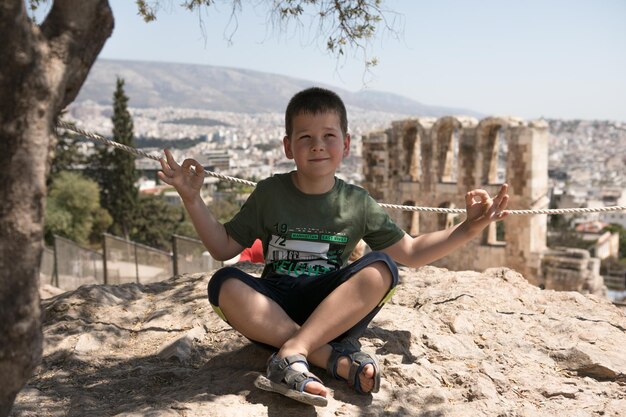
(315, 100)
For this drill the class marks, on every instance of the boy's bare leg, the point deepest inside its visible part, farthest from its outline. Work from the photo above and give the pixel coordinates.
(340, 311)
(261, 319)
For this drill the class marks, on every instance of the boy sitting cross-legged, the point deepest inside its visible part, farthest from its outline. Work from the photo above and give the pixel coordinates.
(309, 304)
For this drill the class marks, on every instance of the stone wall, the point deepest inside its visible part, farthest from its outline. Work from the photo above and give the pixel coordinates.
(567, 269)
(434, 162)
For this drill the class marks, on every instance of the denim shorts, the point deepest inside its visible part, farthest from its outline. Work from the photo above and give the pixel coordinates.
(299, 297)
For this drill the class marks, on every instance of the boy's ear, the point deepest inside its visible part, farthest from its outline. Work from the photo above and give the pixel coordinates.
(287, 147)
(346, 145)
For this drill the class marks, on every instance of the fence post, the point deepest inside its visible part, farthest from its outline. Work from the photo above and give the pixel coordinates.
(104, 259)
(175, 255)
(55, 268)
(136, 261)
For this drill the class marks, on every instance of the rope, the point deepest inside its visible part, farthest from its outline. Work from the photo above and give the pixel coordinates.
(134, 151)
(526, 212)
(72, 127)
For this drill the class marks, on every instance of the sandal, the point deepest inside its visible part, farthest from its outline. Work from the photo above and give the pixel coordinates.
(351, 348)
(281, 378)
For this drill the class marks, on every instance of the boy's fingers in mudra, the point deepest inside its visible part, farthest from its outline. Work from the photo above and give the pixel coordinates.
(171, 161)
(168, 165)
(192, 167)
(501, 201)
(477, 196)
(502, 193)
(165, 169)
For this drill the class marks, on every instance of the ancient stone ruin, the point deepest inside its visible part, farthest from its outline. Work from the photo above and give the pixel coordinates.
(434, 162)
(567, 269)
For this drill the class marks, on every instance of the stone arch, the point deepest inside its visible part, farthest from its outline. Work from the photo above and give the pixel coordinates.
(410, 143)
(447, 142)
(410, 220)
(493, 144)
(422, 152)
(495, 234)
(446, 220)
(413, 153)
(411, 134)
(427, 154)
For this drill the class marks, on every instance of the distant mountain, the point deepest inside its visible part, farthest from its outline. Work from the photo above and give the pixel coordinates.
(158, 84)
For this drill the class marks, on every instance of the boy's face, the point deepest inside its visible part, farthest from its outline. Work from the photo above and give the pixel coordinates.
(317, 144)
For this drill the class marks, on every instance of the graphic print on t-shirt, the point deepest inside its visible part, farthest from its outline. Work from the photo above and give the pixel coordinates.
(309, 252)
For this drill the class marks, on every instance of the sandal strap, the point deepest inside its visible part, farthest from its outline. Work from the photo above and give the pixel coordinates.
(279, 370)
(351, 348)
(359, 361)
(287, 361)
(298, 380)
(342, 348)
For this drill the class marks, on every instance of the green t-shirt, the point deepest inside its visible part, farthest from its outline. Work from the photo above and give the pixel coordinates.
(306, 234)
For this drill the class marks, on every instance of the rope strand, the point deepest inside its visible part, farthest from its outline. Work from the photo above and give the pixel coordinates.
(72, 127)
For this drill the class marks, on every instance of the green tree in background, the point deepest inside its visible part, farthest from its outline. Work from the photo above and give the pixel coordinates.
(73, 209)
(114, 169)
(224, 208)
(156, 221)
(145, 219)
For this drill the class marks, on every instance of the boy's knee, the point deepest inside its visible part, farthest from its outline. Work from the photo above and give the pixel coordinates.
(386, 267)
(390, 264)
(384, 273)
(231, 285)
(389, 283)
(222, 286)
(374, 278)
(221, 279)
(388, 271)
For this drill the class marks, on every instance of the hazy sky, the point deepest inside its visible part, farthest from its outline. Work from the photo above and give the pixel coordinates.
(530, 58)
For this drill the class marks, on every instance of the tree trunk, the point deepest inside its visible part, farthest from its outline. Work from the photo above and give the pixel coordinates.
(43, 68)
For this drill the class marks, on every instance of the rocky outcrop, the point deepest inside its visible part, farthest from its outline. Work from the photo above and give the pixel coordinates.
(450, 344)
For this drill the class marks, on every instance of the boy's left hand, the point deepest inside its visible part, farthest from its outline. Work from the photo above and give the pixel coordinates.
(482, 209)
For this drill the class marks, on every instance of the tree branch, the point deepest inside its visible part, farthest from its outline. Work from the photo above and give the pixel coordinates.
(12, 14)
(76, 31)
(16, 53)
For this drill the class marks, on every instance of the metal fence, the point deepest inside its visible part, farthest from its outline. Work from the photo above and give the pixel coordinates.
(190, 255)
(127, 261)
(68, 265)
(76, 265)
(46, 267)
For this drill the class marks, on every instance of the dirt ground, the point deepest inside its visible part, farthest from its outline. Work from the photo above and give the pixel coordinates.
(449, 343)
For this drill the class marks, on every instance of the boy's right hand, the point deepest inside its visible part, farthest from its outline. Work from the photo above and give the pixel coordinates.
(186, 180)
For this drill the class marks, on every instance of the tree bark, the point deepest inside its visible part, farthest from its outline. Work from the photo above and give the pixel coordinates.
(43, 68)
